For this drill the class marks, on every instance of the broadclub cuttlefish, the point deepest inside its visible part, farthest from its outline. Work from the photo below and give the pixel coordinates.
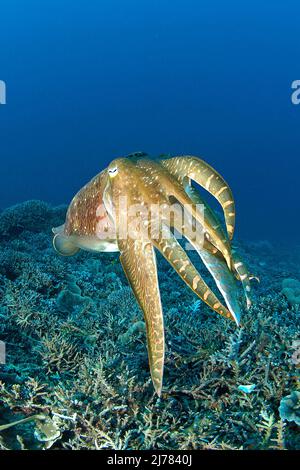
(137, 204)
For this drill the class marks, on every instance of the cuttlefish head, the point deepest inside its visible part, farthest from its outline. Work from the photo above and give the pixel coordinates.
(98, 215)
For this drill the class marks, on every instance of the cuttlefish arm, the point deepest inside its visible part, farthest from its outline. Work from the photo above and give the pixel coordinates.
(240, 269)
(238, 266)
(244, 275)
(172, 251)
(139, 263)
(223, 278)
(216, 265)
(207, 177)
(173, 189)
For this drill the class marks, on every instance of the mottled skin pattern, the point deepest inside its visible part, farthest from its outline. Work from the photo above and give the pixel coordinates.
(81, 214)
(95, 222)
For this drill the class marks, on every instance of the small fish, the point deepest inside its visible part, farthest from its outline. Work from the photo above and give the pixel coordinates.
(247, 388)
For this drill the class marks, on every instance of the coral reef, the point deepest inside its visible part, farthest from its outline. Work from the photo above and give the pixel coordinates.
(76, 372)
(70, 297)
(290, 408)
(291, 289)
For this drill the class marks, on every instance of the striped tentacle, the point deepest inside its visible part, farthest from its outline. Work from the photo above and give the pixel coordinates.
(244, 275)
(179, 260)
(239, 268)
(215, 263)
(207, 177)
(171, 187)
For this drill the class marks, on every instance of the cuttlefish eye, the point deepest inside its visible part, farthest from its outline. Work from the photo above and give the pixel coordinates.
(113, 171)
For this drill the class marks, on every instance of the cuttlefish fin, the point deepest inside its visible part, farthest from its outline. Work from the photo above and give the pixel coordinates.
(207, 177)
(64, 246)
(139, 263)
(172, 251)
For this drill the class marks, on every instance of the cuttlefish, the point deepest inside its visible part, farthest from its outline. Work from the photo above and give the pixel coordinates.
(138, 204)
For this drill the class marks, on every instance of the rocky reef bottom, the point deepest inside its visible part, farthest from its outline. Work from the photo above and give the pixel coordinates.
(76, 374)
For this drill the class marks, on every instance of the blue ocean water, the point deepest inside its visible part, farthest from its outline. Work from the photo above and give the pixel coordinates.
(89, 81)
(82, 83)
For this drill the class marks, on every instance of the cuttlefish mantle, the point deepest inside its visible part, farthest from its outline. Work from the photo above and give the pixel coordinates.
(95, 222)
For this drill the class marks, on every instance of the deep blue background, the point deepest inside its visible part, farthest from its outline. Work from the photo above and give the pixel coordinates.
(91, 80)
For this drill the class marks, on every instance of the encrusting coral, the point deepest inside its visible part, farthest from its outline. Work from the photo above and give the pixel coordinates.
(291, 289)
(72, 367)
(290, 407)
(70, 297)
